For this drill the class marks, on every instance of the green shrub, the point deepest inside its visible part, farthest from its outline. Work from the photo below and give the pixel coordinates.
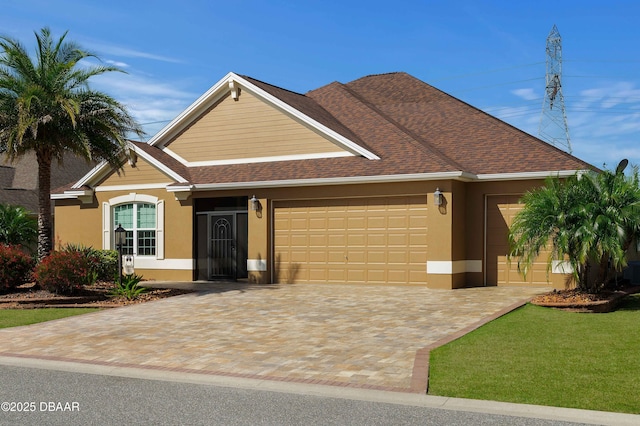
(129, 287)
(17, 227)
(63, 272)
(107, 264)
(103, 263)
(16, 267)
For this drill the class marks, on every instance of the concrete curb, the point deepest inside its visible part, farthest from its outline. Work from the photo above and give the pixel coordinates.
(410, 399)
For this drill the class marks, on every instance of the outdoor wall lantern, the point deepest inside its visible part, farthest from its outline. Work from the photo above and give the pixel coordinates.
(437, 197)
(121, 238)
(255, 204)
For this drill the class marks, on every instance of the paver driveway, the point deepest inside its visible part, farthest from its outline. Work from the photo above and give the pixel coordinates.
(351, 335)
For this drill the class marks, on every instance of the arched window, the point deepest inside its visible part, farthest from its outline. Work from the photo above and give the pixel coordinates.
(139, 219)
(142, 216)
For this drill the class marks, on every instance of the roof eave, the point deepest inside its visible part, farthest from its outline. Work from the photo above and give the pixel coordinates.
(414, 177)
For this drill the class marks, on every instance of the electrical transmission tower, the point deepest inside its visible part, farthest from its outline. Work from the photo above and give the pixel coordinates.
(553, 120)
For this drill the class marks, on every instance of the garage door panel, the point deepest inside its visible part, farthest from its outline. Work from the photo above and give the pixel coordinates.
(358, 240)
(336, 240)
(356, 256)
(398, 257)
(376, 222)
(374, 256)
(398, 222)
(334, 256)
(356, 275)
(376, 240)
(336, 275)
(356, 223)
(396, 239)
(376, 276)
(318, 240)
(336, 223)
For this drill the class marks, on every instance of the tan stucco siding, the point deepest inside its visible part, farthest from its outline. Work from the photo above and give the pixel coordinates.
(142, 173)
(83, 224)
(76, 223)
(374, 241)
(247, 128)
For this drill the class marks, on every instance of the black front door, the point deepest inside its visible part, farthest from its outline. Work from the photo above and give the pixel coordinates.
(222, 247)
(227, 245)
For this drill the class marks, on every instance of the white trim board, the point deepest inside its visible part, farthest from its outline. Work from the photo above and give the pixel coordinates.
(256, 265)
(153, 263)
(449, 267)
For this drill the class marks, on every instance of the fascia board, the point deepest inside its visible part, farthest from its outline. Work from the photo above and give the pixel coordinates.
(94, 174)
(198, 106)
(160, 166)
(527, 175)
(457, 175)
(102, 169)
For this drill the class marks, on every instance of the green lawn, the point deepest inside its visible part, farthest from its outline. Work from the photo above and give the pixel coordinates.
(16, 317)
(542, 356)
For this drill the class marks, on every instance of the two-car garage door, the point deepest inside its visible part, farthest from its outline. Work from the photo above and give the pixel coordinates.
(369, 240)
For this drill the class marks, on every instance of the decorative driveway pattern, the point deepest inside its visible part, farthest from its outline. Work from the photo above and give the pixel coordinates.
(349, 335)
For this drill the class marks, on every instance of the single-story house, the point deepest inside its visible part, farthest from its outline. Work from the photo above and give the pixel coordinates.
(383, 180)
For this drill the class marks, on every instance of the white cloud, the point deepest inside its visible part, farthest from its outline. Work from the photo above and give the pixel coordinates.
(152, 103)
(527, 94)
(118, 64)
(119, 51)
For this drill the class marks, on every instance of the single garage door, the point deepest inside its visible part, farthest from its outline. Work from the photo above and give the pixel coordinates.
(372, 240)
(501, 209)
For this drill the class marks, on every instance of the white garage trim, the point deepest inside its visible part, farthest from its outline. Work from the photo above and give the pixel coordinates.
(561, 267)
(448, 267)
(256, 265)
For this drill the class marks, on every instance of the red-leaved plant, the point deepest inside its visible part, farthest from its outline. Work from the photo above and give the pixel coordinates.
(15, 267)
(63, 272)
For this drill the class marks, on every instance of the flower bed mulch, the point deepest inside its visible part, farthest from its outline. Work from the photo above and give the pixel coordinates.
(28, 296)
(579, 301)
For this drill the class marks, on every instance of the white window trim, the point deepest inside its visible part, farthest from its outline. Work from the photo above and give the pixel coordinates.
(129, 199)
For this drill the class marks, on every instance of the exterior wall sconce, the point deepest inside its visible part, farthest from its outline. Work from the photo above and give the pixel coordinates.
(255, 204)
(437, 197)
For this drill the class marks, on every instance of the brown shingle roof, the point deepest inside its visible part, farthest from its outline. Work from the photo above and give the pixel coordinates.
(164, 158)
(481, 143)
(413, 127)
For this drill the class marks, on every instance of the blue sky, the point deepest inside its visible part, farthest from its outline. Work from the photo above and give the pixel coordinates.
(490, 54)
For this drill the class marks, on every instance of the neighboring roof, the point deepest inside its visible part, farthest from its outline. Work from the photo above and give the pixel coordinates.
(19, 179)
(403, 128)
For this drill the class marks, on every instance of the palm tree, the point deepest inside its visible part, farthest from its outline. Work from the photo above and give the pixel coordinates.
(17, 227)
(47, 106)
(588, 219)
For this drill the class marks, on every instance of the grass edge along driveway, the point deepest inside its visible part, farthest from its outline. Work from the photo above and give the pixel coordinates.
(18, 317)
(542, 356)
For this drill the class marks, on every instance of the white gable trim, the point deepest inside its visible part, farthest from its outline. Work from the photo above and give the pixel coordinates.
(102, 169)
(258, 159)
(222, 87)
